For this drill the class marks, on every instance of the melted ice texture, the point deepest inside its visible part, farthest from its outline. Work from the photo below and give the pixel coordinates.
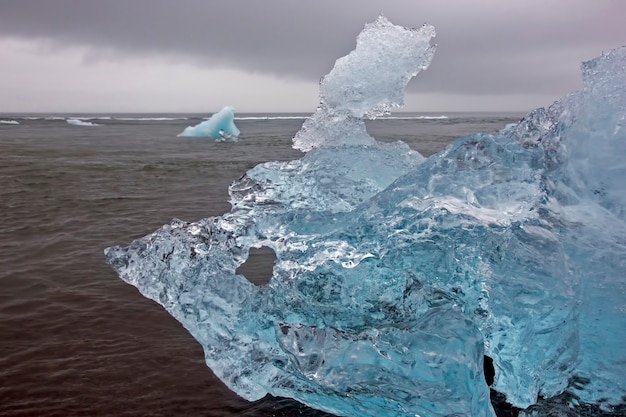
(395, 274)
(220, 126)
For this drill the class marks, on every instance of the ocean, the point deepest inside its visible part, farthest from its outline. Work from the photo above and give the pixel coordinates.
(74, 339)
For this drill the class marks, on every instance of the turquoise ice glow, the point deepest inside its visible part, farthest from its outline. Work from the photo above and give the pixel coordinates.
(395, 274)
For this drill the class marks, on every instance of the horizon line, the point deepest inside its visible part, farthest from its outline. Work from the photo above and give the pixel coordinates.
(251, 112)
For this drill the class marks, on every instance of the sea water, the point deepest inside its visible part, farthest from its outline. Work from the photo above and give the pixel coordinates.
(76, 340)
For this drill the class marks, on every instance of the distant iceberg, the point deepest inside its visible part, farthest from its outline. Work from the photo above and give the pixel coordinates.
(395, 274)
(79, 122)
(9, 122)
(220, 126)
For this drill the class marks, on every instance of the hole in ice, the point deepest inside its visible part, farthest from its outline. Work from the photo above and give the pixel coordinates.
(488, 370)
(258, 268)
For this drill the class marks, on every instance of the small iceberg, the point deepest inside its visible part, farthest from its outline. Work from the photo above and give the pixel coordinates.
(220, 126)
(78, 122)
(9, 122)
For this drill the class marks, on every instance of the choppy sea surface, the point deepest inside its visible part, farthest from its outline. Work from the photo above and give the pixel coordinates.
(74, 339)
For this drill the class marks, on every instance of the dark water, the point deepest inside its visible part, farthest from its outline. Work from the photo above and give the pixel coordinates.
(74, 339)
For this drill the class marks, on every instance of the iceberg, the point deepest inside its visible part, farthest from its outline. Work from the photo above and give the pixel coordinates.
(396, 275)
(79, 122)
(219, 126)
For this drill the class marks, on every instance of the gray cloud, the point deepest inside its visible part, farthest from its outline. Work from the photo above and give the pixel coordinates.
(484, 47)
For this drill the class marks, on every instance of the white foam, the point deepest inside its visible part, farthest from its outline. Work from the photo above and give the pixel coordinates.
(272, 118)
(79, 122)
(149, 119)
(414, 117)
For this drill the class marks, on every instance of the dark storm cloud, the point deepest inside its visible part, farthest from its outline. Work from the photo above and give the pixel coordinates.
(484, 47)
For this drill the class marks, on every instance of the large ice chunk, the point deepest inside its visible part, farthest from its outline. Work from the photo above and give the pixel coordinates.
(219, 126)
(395, 274)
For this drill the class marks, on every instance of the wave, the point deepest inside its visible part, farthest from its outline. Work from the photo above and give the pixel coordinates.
(87, 118)
(149, 119)
(271, 117)
(93, 118)
(9, 122)
(250, 117)
(413, 117)
(306, 117)
(78, 122)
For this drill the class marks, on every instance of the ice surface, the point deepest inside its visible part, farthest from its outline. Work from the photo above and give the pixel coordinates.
(395, 274)
(79, 122)
(368, 82)
(220, 126)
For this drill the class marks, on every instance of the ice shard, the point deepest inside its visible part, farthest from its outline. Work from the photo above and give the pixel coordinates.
(396, 274)
(369, 81)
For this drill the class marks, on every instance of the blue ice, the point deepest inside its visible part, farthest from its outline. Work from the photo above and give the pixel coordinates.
(220, 125)
(395, 273)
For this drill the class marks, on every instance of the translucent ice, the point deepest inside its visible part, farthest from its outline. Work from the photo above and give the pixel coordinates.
(395, 274)
(369, 81)
(220, 126)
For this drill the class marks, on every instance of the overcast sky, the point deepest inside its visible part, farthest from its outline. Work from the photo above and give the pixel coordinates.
(268, 55)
